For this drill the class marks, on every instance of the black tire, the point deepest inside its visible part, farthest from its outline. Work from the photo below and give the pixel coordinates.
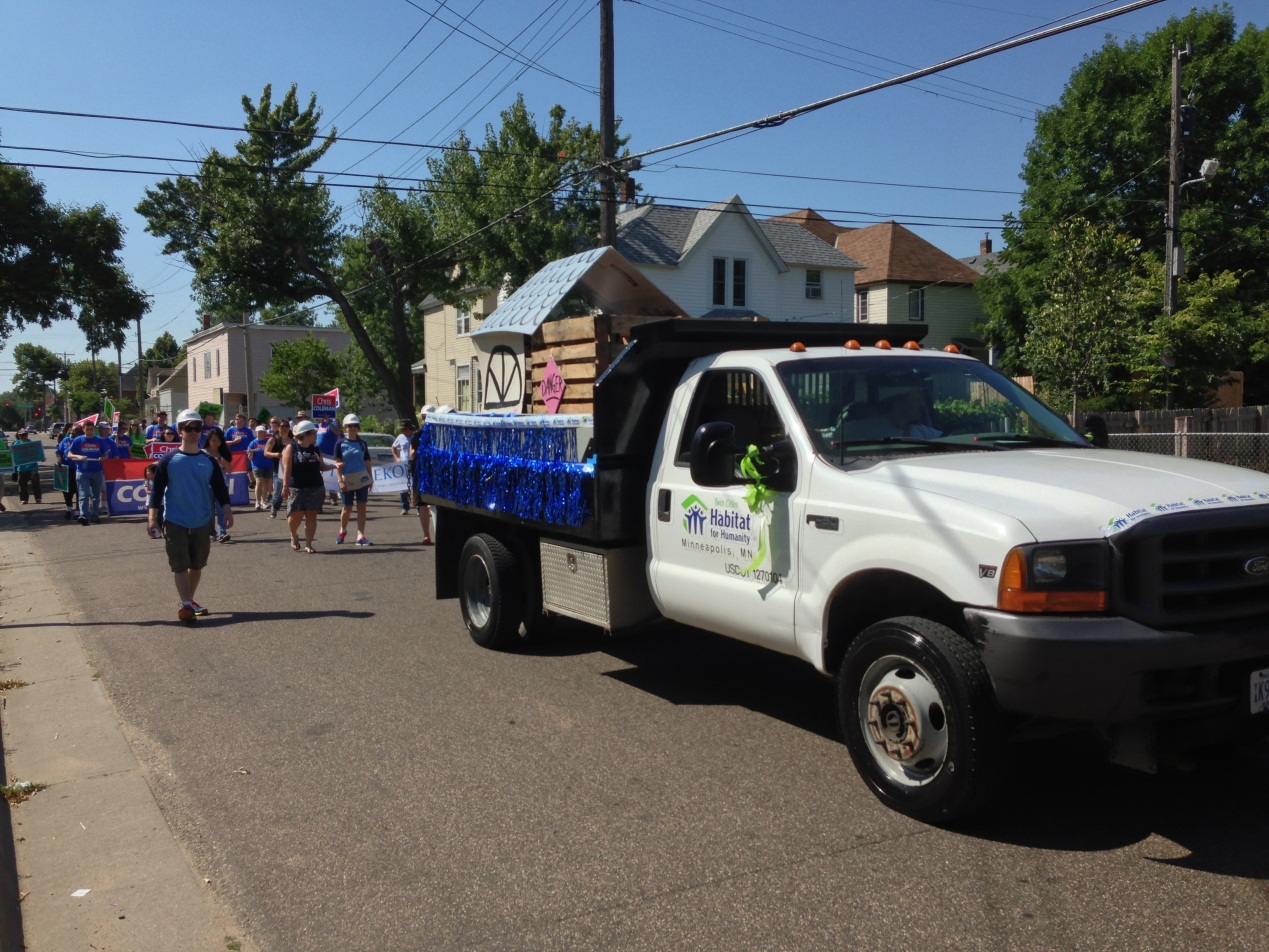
(490, 592)
(920, 719)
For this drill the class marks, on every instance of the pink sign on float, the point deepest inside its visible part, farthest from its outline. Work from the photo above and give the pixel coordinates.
(552, 386)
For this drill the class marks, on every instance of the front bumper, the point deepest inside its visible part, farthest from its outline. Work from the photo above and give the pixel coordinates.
(1103, 671)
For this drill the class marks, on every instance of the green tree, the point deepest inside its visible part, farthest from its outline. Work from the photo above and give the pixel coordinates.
(36, 367)
(1100, 153)
(1076, 338)
(516, 165)
(86, 379)
(300, 368)
(61, 263)
(164, 352)
(257, 233)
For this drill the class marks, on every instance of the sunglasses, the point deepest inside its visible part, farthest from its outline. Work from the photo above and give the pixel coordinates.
(192, 428)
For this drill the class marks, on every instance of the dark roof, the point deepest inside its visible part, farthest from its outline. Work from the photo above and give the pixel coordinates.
(982, 263)
(656, 234)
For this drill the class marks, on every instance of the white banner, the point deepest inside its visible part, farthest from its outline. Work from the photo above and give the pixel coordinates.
(389, 478)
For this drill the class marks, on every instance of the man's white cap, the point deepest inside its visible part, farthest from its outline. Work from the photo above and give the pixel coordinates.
(188, 416)
(352, 420)
(262, 428)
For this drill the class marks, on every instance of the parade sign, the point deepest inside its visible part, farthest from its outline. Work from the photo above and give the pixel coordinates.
(552, 386)
(326, 405)
(23, 453)
(6, 457)
(127, 492)
(158, 449)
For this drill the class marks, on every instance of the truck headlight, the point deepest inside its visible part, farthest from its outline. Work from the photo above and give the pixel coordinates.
(1055, 577)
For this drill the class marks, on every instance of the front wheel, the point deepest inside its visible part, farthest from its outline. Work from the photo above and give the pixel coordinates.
(920, 720)
(489, 592)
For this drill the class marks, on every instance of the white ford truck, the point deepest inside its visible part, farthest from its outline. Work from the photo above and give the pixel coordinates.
(908, 521)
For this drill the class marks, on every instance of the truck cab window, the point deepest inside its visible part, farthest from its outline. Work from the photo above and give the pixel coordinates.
(738, 397)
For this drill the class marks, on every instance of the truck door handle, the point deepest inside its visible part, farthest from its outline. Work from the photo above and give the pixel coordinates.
(829, 523)
(663, 505)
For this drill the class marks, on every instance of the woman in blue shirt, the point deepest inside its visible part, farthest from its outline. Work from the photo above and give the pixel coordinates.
(352, 465)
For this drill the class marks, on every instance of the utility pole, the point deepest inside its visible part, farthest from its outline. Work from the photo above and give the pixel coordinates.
(1172, 221)
(607, 130)
(140, 373)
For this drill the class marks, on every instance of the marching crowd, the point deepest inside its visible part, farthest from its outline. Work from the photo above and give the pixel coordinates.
(188, 479)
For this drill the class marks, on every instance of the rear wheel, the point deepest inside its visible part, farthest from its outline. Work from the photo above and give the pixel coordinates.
(490, 592)
(920, 720)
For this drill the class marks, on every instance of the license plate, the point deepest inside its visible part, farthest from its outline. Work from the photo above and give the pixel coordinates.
(1260, 691)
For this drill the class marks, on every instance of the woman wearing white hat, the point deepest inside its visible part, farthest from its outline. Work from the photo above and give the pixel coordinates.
(356, 478)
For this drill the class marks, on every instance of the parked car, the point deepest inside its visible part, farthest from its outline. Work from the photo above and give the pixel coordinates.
(57, 429)
(380, 446)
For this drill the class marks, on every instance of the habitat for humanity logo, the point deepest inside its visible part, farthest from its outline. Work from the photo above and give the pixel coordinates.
(694, 514)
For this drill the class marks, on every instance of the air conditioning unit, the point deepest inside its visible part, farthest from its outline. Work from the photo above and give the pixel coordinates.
(814, 292)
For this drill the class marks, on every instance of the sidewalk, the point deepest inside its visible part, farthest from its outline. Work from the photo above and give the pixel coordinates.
(96, 829)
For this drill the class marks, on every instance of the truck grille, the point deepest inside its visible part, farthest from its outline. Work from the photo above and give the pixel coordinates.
(1194, 568)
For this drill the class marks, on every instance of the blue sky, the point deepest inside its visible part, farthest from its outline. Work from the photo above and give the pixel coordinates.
(942, 156)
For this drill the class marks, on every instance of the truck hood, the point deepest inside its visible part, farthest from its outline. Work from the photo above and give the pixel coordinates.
(1067, 494)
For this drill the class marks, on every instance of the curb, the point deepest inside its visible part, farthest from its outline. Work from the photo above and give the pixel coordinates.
(96, 826)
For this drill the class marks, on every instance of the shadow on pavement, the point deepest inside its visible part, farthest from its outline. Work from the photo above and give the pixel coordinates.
(1060, 794)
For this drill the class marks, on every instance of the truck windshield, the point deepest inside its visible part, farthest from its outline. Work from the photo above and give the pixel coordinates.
(881, 405)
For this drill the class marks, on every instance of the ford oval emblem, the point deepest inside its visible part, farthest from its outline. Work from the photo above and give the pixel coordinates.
(1257, 567)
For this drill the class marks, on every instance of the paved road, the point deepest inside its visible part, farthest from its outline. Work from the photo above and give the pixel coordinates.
(349, 771)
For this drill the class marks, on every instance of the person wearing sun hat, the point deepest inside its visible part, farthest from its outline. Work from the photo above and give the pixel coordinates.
(302, 467)
(425, 511)
(356, 478)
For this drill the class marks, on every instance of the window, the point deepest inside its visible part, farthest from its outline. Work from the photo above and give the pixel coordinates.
(738, 397)
(462, 385)
(477, 387)
(814, 285)
(207, 365)
(462, 322)
(217, 363)
(720, 282)
(861, 307)
(916, 303)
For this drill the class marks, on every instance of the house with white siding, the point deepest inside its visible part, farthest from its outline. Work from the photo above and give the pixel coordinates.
(905, 279)
(720, 261)
(224, 363)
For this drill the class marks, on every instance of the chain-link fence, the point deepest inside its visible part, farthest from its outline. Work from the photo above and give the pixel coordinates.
(1249, 450)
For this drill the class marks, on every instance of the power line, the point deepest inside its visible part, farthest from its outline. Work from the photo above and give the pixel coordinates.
(778, 119)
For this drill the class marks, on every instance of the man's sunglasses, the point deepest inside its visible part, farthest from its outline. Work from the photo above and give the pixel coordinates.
(192, 428)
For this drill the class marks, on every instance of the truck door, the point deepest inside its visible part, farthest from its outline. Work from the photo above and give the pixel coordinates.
(714, 564)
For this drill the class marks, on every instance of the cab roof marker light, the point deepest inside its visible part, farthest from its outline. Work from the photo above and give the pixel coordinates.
(952, 349)
(882, 345)
(912, 345)
(851, 344)
(797, 347)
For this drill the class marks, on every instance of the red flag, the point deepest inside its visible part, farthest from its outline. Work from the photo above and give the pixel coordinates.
(87, 421)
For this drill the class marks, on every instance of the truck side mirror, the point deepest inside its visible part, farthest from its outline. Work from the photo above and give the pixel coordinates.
(778, 465)
(713, 457)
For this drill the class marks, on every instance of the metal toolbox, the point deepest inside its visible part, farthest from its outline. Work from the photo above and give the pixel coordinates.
(605, 587)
